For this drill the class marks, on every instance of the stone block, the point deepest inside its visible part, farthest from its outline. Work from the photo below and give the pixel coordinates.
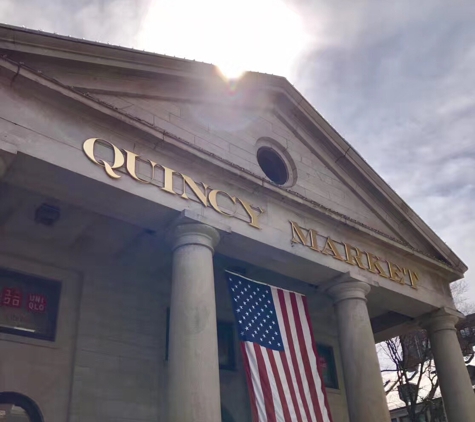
(162, 109)
(139, 113)
(113, 100)
(173, 129)
(190, 125)
(244, 154)
(221, 150)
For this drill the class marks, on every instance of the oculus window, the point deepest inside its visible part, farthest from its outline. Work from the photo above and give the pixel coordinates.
(272, 165)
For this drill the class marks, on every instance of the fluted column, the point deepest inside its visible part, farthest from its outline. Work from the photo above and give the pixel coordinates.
(455, 386)
(361, 370)
(193, 386)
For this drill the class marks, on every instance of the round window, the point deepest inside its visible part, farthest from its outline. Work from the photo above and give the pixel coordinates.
(272, 165)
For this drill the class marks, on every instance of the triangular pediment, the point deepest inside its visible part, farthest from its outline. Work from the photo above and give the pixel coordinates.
(229, 122)
(235, 135)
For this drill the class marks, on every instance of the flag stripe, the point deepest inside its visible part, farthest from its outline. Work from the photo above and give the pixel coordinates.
(267, 392)
(319, 369)
(283, 410)
(305, 358)
(274, 388)
(289, 375)
(256, 382)
(312, 355)
(286, 385)
(280, 357)
(301, 367)
(293, 354)
(252, 395)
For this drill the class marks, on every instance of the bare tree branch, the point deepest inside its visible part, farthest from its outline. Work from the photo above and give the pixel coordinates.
(412, 370)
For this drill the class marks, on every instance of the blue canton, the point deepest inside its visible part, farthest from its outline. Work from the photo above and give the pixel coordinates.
(255, 314)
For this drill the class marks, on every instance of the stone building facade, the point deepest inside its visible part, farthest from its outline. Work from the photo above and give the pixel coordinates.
(131, 181)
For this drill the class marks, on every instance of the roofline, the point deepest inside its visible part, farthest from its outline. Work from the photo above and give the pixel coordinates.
(54, 45)
(382, 186)
(67, 38)
(28, 40)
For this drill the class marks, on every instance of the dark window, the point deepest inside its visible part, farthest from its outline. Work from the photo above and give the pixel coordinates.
(28, 305)
(227, 360)
(272, 165)
(16, 407)
(225, 415)
(327, 366)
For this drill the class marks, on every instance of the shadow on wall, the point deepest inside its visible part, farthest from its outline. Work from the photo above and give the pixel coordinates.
(225, 415)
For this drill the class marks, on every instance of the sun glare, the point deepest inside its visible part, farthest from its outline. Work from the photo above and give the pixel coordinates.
(249, 35)
(230, 70)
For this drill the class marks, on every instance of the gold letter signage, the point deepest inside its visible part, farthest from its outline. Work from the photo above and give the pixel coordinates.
(175, 183)
(220, 201)
(353, 256)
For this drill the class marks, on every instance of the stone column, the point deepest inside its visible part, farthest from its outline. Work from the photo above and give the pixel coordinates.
(361, 370)
(193, 370)
(455, 386)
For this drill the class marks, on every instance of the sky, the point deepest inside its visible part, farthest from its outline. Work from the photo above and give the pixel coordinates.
(395, 78)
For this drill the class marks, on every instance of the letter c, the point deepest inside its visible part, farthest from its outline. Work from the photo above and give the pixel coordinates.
(213, 200)
(119, 160)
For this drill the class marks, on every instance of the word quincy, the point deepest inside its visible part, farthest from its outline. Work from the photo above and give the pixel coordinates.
(221, 201)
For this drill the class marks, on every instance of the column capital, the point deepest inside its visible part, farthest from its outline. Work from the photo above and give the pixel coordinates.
(442, 319)
(347, 288)
(194, 234)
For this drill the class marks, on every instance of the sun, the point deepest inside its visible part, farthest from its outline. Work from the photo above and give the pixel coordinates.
(263, 36)
(232, 71)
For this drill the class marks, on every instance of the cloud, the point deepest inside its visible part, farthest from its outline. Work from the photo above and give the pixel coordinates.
(113, 21)
(396, 80)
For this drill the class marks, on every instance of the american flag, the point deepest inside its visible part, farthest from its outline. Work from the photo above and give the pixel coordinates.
(279, 353)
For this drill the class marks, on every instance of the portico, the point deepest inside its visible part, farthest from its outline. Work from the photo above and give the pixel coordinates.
(154, 188)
